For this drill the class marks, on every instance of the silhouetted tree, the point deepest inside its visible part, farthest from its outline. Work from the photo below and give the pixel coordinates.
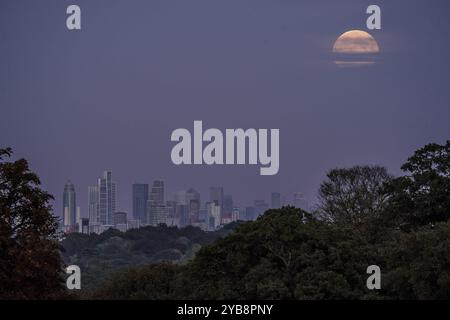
(354, 195)
(422, 196)
(30, 264)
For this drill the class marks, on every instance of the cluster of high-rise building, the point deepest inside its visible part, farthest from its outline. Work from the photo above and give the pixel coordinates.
(102, 213)
(151, 208)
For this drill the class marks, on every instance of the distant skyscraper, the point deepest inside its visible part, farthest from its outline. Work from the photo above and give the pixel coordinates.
(193, 203)
(227, 208)
(156, 209)
(203, 214)
(283, 201)
(194, 211)
(235, 216)
(171, 213)
(102, 201)
(300, 201)
(250, 213)
(157, 192)
(107, 200)
(275, 200)
(157, 214)
(213, 215)
(84, 226)
(216, 195)
(93, 200)
(78, 218)
(180, 197)
(140, 198)
(69, 207)
(192, 194)
(191, 199)
(182, 215)
(260, 207)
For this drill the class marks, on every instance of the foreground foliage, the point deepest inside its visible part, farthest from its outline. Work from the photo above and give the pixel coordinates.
(282, 255)
(99, 256)
(366, 217)
(30, 264)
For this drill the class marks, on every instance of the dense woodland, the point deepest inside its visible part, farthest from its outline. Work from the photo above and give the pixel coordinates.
(99, 256)
(365, 217)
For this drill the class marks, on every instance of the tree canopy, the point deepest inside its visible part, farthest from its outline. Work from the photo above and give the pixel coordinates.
(422, 196)
(288, 253)
(354, 195)
(30, 264)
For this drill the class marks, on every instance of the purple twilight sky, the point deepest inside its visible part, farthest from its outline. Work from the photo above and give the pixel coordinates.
(75, 103)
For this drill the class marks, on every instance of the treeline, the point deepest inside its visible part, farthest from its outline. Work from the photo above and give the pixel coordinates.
(287, 254)
(98, 256)
(365, 217)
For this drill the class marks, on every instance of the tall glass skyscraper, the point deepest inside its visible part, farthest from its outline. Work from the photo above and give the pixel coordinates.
(102, 200)
(140, 198)
(156, 208)
(69, 206)
(94, 218)
(107, 198)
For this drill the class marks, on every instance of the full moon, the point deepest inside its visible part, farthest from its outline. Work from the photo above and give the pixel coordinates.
(356, 41)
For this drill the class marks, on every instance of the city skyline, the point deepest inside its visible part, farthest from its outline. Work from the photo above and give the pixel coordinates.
(151, 206)
(171, 189)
